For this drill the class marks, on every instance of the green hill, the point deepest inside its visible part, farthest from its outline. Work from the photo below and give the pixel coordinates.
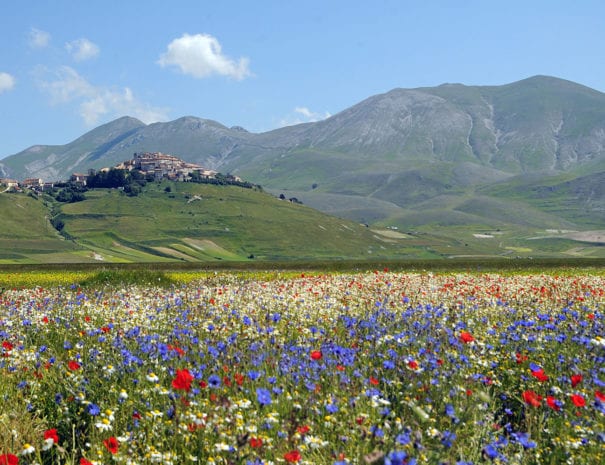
(172, 221)
(26, 234)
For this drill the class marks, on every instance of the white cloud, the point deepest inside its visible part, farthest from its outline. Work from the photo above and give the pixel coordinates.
(7, 82)
(303, 115)
(82, 49)
(38, 38)
(95, 102)
(200, 56)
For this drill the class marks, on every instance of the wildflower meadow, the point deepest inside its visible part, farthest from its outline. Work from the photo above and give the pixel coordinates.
(338, 368)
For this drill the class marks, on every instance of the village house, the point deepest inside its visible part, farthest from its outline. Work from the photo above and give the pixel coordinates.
(79, 179)
(32, 183)
(7, 182)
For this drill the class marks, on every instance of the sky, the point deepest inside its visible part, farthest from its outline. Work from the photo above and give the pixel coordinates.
(69, 66)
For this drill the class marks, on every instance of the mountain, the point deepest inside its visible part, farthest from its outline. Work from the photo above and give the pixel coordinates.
(446, 156)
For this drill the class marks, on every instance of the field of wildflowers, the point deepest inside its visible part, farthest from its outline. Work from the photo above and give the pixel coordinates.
(363, 368)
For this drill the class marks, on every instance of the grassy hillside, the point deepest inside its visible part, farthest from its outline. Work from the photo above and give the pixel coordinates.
(26, 234)
(187, 221)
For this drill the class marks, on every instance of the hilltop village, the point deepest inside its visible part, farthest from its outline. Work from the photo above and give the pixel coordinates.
(153, 166)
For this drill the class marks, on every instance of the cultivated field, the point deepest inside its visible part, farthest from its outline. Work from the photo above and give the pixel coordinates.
(266, 367)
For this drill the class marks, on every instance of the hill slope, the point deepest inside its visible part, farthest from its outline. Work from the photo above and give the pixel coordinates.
(180, 221)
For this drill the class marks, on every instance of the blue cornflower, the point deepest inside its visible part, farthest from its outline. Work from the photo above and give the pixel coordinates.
(93, 409)
(214, 381)
(396, 458)
(451, 412)
(263, 396)
(403, 438)
(524, 440)
(332, 408)
(448, 438)
(491, 451)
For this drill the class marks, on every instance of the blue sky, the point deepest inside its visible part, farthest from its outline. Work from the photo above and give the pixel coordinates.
(69, 66)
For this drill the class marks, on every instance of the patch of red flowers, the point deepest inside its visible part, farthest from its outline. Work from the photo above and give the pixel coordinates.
(6, 345)
(575, 380)
(9, 459)
(532, 398)
(73, 365)
(552, 403)
(182, 380)
(111, 445)
(293, 456)
(303, 429)
(540, 375)
(52, 434)
(256, 443)
(466, 337)
(578, 400)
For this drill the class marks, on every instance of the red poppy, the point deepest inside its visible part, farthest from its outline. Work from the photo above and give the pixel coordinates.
(578, 400)
(9, 459)
(575, 380)
(540, 375)
(303, 429)
(599, 395)
(552, 403)
(203, 384)
(182, 380)
(83, 461)
(466, 337)
(51, 434)
(255, 443)
(111, 445)
(413, 364)
(531, 398)
(520, 357)
(239, 378)
(176, 349)
(7, 345)
(374, 381)
(316, 355)
(73, 365)
(293, 456)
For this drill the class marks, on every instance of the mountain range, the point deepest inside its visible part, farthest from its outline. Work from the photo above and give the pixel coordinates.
(525, 157)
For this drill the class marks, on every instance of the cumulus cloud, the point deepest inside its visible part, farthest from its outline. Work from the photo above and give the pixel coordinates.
(65, 85)
(38, 38)
(82, 49)
(200, 56)
(7, 82)
(303, 115)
